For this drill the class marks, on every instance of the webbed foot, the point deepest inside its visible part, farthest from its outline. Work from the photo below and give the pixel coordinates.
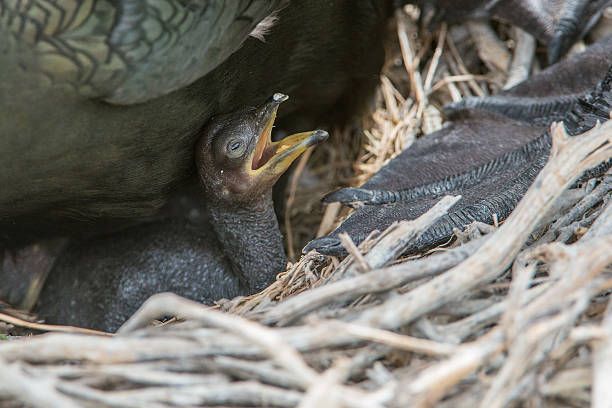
(488, 192)
(488, 158)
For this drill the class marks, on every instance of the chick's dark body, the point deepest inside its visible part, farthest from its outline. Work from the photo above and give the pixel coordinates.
(71, 161)
(99, 283)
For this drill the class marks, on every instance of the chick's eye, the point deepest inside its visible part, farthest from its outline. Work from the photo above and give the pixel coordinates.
(235, 148)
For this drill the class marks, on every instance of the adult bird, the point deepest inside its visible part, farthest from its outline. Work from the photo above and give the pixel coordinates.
(102, 101)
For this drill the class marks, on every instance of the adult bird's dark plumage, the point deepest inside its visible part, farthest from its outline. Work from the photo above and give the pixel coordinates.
(102, 101)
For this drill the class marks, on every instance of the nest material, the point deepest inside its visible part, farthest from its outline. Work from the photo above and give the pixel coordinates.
(515, 314)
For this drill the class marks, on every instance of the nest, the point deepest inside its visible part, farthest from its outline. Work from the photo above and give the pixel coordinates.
(506, 315)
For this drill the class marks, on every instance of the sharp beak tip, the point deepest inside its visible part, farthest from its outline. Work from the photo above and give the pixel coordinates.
(279, 97)
(317, 137)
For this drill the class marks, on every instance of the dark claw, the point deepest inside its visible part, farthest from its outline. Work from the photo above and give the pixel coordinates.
(561, 42)
(350, 196)
(330, 245)
(577, 18)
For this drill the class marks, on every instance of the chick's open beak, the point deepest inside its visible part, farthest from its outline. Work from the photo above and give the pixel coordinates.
(276, 157)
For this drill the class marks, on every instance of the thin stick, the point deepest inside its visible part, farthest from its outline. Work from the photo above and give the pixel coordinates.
(372, 282)
(435, 59)
(352, 249)
(329, 218)
(457, 78)
(398, 341)
(295, 177)
(524, 52)
(49, 327)
(602, 364)
(490, 48)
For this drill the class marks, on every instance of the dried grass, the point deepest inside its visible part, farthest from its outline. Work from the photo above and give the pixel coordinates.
(515, 315)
